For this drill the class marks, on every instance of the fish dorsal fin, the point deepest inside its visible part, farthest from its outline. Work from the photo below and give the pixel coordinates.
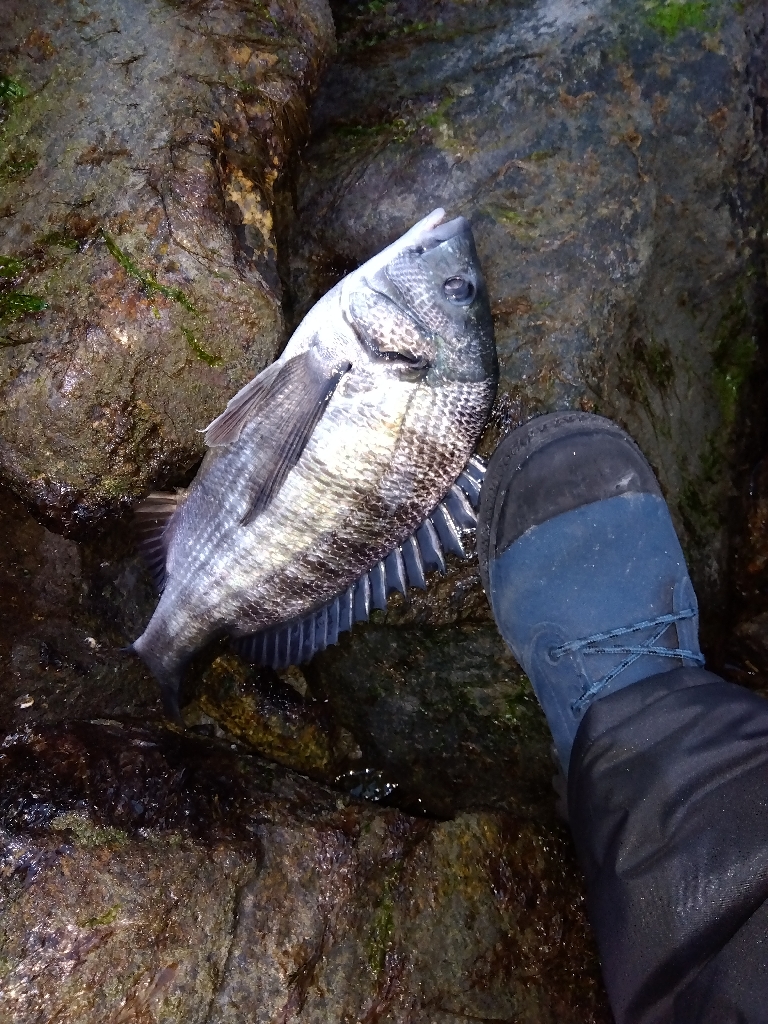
(284, 404)
(296, 642)
(153, 523)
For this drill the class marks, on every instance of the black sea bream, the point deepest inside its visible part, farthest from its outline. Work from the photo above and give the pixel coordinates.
(340, 473)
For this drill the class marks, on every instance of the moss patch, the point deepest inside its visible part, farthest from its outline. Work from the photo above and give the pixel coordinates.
(382, 925)
(396, 130)
(522, 225)
(732, 365)
(61, 238)
(437, 118)
(653, 361)
(646, 366)
(266, 715)
(86, 833)
(11, 90)
(672, 17)
(700, 501)
(658, 361)
(149, 283)
(108, 917)
(200, 352)
(11, 266)
(14, 305)
(732, 357)
(18, 164)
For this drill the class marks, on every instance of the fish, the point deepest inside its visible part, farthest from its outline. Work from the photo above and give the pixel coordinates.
(343, 472)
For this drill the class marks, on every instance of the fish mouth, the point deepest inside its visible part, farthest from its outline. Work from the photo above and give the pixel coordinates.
(434, 236)
(444, 232)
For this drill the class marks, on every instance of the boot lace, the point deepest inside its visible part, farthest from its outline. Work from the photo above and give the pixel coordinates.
(595, 645)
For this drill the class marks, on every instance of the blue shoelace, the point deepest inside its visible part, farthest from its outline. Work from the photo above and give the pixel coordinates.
(590, 645)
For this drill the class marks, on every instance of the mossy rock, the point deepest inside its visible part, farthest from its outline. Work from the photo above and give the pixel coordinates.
(140, 150)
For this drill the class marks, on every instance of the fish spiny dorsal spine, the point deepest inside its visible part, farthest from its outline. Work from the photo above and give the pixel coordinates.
(441, 531)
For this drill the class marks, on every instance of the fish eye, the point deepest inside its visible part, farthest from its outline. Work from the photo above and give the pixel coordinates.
(459, 290)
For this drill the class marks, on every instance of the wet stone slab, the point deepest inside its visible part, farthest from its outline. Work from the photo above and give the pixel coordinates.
(150, 876)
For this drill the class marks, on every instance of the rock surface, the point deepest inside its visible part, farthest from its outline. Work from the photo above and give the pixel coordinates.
(149, 877)
(66, 609)
(140, 146)
(747, 650)
(611, 160)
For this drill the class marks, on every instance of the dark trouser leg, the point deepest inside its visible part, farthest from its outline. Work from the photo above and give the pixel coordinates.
(668, 800)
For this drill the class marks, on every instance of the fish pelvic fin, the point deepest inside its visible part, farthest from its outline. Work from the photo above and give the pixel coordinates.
(295, 643)
(153, 526)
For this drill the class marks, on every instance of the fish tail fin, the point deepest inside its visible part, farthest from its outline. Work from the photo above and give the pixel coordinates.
(166, 672)
(169, 695)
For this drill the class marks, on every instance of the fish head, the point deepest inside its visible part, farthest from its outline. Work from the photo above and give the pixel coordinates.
(420, 308)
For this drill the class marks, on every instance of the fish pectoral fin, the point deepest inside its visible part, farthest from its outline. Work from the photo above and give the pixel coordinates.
(153, 526)
(279, 385)
(286, 402)
(248, 401)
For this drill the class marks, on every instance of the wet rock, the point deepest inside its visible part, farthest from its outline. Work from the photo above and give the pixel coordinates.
(747, 649)
(610, 160)
(445, 715)
(66, 610)
(273, 714)
(140, 149)
(611, 163)
(148, 876)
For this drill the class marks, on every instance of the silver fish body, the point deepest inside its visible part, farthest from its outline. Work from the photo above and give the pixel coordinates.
(322, 468)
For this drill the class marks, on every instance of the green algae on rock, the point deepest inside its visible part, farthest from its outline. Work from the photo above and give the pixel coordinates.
(11, 90)
(14, 305)
(671, 17)
(137, 192)
(267, 716)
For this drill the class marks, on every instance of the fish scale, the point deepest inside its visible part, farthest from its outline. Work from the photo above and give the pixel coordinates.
(342, 472)
(275, 599)
(267, 647)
